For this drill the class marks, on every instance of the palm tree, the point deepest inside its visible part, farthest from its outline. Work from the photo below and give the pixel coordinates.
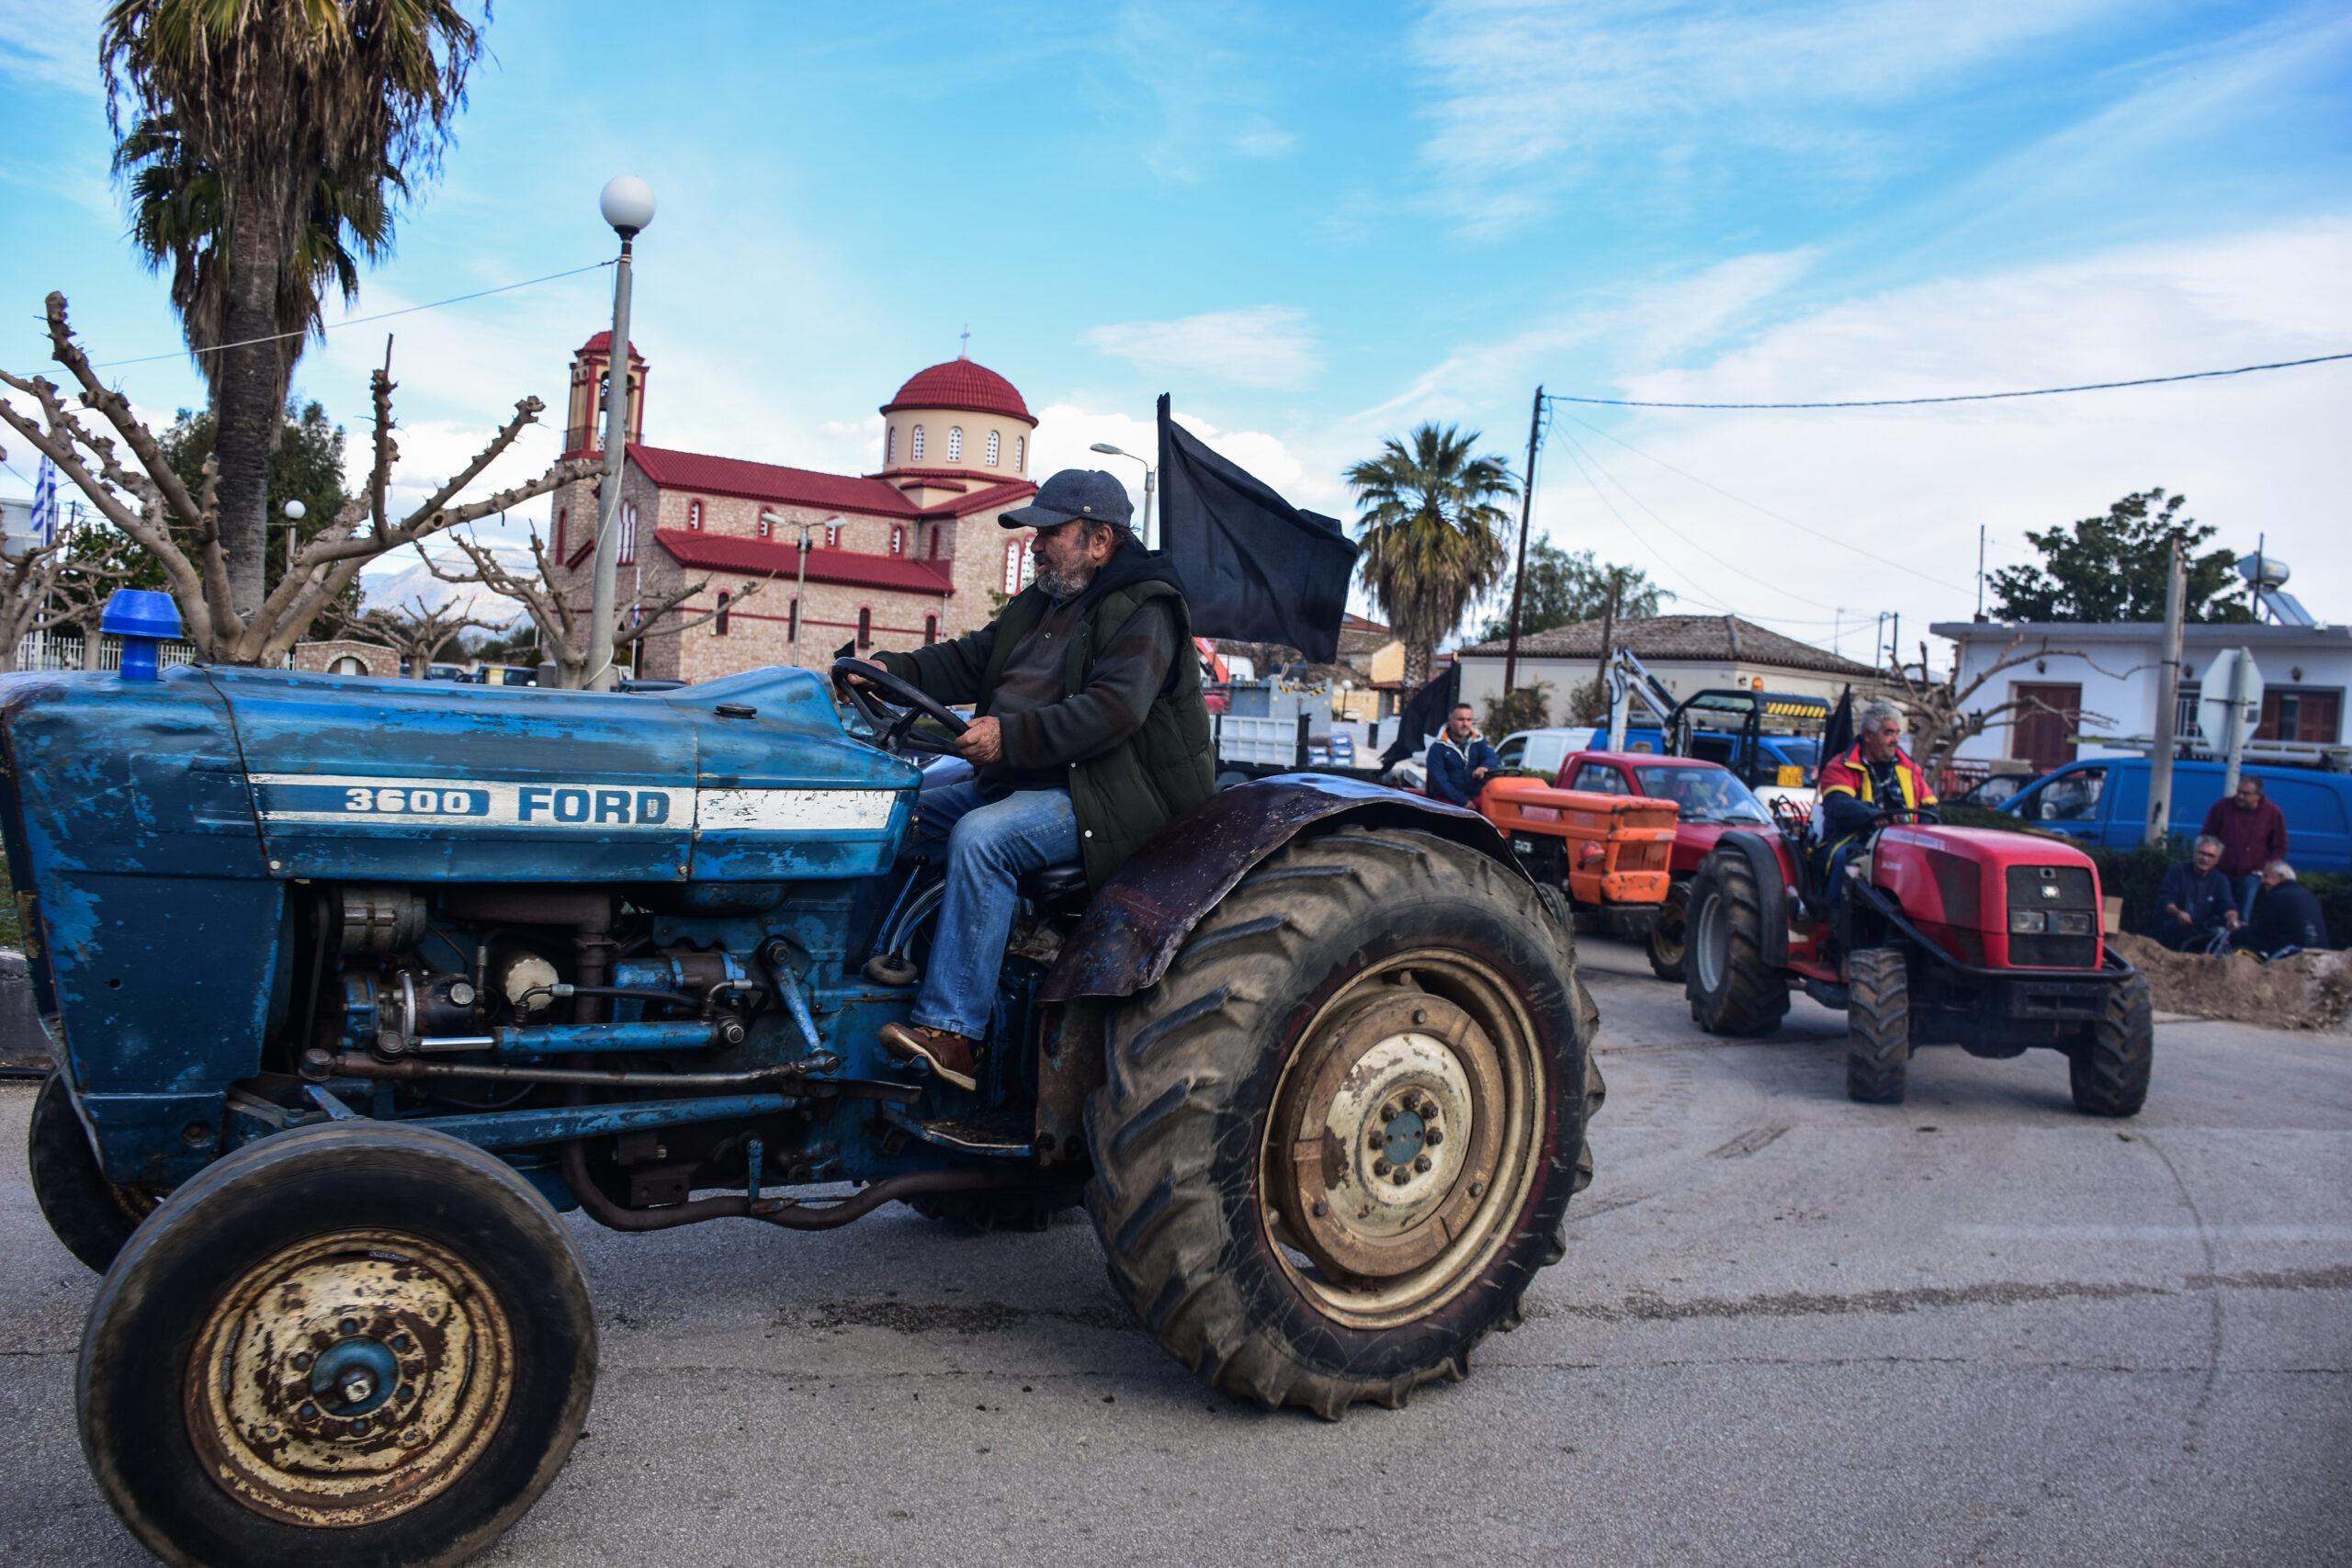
(1432, 537)
(265, 131)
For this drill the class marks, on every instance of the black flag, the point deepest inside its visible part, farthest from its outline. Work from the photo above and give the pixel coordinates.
(1423, 717)
(1254, 567)
(1838, 736)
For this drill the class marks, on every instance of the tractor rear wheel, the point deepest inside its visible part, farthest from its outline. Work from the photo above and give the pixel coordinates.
(1668, 933)
(1732, 989)
(92, 1215)
(1338, 1139)
(1878, 1026)
(358, 1342)
(2112, 1066)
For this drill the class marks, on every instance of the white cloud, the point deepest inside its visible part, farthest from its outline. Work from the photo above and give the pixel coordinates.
(1268, 346)
(53, 44)
(1067, 432)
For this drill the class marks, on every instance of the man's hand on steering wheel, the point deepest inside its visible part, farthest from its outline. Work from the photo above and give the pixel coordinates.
(875, 692)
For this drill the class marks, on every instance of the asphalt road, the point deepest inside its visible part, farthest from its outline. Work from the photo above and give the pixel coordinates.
(1975, 1328)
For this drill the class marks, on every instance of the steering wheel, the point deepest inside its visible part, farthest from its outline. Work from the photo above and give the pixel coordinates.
(895, 731)
(1894, 814)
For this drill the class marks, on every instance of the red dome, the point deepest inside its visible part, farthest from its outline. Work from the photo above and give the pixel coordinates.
(602, 342)
(960, 384)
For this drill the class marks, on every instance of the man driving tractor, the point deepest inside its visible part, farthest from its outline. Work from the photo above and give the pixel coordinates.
(1091, 734)
(1871, 777)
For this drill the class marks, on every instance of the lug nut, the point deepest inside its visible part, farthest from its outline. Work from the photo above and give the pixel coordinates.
(1390, 1111)
(309, 1412)
(400, 1342)
(1421, 1162)
(1402, 1177)
(348, 1325)
(302, 1361)
(1428, 1110)
(1420, 1015)
(1375, 1140)
(1322, 1209)
(1380, 1167)
(408, 1391)
(411, 1437)
(1434, 1136)
(359, 1428)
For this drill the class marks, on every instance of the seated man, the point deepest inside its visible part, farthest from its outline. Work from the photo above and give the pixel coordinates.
(2195, 907)
(1092, 737)
(2286, 916)
(1872, 775)
(1459, 759)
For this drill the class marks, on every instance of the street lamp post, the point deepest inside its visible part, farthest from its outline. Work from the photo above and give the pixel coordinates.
(800, 589)
(628, 205)
(1150, 475)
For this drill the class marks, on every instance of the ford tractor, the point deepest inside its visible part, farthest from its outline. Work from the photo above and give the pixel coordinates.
(355, 985)
(1931, 935)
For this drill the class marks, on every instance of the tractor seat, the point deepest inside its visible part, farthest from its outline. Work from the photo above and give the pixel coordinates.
(1053, 884)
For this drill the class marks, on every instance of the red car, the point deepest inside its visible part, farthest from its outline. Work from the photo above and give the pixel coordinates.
(1711, 802)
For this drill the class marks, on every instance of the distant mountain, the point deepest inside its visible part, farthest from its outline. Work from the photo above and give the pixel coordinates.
(403, 580)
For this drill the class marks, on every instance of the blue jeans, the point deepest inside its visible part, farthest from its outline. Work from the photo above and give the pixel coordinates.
(986, 848)
(2245, 887)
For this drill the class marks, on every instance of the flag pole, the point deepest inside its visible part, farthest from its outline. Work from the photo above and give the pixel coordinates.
(1519, 573)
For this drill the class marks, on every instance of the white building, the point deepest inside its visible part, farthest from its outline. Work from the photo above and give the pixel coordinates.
(1689, 653)
(2104, 679)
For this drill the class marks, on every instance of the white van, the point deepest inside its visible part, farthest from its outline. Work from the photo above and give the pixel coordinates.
(1542, 751)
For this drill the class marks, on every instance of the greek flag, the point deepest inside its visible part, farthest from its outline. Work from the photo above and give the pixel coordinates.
(45, 502)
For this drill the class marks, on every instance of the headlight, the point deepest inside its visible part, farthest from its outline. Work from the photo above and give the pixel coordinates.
(2072, 922)
(2028, 920)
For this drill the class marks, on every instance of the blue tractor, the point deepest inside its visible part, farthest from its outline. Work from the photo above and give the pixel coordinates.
(354, 984)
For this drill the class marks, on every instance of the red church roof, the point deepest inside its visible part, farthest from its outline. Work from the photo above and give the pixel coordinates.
(807, 487)
(960, 384)
(767, 557)
(603, 342)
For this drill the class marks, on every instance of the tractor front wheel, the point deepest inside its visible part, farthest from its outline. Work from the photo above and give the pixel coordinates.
(91, 1215)
(361, 1343)
(1667, 934)
(1878, 1026)
(1338, 1139)
(2116, 1057)
(1732, 989)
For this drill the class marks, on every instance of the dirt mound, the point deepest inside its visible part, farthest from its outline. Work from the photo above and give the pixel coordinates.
(2310, 990)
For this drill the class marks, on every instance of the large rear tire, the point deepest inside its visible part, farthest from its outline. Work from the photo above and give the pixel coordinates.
(1878, 1026)
(91, 1215)
(1338, 1139)
(1731, 988)
(360, 1343)
(2113, 1066)
(1667, 934)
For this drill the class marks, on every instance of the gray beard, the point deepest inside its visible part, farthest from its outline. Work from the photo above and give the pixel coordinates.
(1060, 588)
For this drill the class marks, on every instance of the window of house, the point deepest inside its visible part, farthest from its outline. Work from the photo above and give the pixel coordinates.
(996, 446)
(930, 630)
(1020, 453)
(914, 445)
(891, 447)
(864, 627)
(832, 536)
(563, 519)
(693, 514)
(897, 539)
(628, 532)
(767, 525)
(954, 443)
(718, 625)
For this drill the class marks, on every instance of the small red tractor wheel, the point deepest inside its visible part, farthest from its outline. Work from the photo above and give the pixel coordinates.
(1878, 1026)
(1667, 934)
(1732, 989)
(2110, 1066)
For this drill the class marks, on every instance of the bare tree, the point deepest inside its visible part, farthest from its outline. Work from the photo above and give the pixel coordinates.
(417, 634)
(563, 627)
(1939, 710)
(183, 531)
(58, 584)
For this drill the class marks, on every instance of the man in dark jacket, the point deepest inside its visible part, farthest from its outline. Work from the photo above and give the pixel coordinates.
(1460, 760)
(2253, 831)
(2194, 907)
(1090, 735)
(2286, 916)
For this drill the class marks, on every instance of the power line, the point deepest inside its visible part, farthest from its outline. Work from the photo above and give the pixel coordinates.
(360, 320)
(1767, 511)
(1961, 396)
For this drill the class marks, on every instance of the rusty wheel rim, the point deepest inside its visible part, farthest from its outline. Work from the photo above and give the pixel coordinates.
(1405, 1138)
(349, 1379)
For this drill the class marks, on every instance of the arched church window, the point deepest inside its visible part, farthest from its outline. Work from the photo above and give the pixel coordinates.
(935, 532)
(628, 532)
(832, 536)
(930, 630)
(864, 627)
(563, 517)
(891, 447)
(897, 539)
(996, 446)
(1020, 453)
(718, 625)
(914, 445)
(693, 514)
(954, 443)
(1016, 564)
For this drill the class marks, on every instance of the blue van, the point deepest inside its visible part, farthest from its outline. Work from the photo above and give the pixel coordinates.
(2105, 799)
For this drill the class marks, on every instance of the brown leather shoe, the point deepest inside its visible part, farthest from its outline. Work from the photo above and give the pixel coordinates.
(952, 1057)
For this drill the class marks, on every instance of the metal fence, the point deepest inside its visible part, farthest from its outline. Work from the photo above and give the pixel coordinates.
(47, 650)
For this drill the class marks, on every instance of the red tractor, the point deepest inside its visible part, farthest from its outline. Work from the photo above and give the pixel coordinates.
(1989, 941)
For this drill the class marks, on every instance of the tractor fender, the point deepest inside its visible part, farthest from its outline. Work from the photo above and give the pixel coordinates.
(1131, 931)
(1763, 852)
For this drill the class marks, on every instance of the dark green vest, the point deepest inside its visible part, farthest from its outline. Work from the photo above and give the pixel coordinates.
(1159, 772)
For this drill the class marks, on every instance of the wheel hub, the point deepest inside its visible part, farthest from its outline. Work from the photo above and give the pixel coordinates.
(347, 1379)
(1394, 1136)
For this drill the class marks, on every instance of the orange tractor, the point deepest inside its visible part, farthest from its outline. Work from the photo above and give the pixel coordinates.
(1612, 854)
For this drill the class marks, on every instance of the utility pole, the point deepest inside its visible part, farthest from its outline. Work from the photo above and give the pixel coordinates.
(1894, 645)
(1980, 572)
(627, 206)
(2236, 756)
(2167, 707)
(1519, 576)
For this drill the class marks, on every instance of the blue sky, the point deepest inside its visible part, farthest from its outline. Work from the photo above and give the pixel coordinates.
(1316, 225)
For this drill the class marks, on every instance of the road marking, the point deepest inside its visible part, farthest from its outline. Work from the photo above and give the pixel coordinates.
(2225, 1231)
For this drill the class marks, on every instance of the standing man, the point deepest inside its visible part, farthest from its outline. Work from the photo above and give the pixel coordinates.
(1460, 760)
(2253, 831)
(2195, 906)
(1091, 736)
